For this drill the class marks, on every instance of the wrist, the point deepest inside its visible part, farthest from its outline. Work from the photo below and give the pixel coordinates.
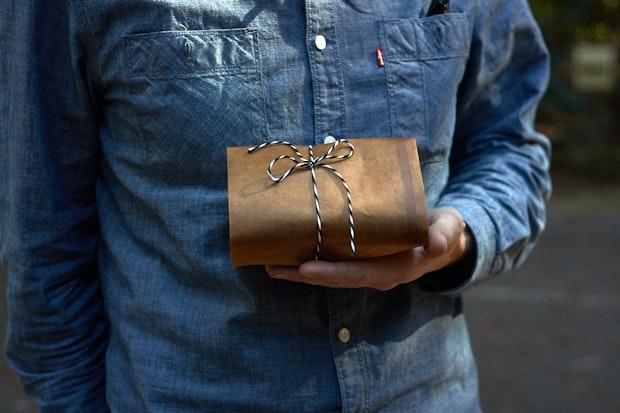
(457, 271)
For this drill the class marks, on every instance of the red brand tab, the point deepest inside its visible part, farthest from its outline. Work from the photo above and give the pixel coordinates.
(380, 61)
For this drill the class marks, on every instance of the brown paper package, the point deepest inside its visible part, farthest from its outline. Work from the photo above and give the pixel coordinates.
(275, 223)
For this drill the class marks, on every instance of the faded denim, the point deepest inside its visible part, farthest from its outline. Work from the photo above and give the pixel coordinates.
(115, 116)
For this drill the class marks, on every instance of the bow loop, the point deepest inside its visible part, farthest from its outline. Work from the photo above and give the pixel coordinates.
(336, 158)
(283, 175)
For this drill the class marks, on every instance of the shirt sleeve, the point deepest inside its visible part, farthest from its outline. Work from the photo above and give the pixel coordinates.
(499, 179)
(49, 165)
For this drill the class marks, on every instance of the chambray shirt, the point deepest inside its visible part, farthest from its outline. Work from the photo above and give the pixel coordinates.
(115, 117)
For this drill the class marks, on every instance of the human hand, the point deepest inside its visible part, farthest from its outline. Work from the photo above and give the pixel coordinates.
(449, 241)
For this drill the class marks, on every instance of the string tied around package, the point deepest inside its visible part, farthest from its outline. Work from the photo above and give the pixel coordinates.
(300, 162)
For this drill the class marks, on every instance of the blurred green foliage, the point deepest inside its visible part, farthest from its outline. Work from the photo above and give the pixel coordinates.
(567, 22)
(584, 127)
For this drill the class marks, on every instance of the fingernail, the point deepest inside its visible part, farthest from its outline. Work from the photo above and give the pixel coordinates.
(278, 275)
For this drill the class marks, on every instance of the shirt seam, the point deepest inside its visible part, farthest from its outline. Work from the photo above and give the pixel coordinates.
(234, 32)
(317, 110)
(88, 37)
(341, 90)
(263, 89)
(254, 69)
(365, 375)
(332, 328)
(387, 73)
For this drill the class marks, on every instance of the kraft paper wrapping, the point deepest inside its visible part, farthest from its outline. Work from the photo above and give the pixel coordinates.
(275, 223)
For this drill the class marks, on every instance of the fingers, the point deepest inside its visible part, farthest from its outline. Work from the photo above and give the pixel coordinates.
(385, 286)
(352, 274)
(437, 242)
(282, 271)
(384, 273)
(444, 232)
(363, 272)
(291, 273)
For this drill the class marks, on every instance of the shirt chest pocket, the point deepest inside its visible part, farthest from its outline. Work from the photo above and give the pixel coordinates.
(195, 92)
(425, 61)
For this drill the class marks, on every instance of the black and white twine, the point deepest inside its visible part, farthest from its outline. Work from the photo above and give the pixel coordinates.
(300, 162)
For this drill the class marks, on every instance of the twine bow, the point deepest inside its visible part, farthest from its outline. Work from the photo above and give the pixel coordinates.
(300, 162)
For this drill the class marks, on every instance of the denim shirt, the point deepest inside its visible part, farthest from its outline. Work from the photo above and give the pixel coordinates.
(115, 117)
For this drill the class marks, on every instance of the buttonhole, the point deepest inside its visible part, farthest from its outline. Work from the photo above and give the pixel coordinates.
(439, 31)
(187, 47)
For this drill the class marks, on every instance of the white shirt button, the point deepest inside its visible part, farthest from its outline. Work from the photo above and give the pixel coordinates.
(320, 42)
(329, 139)
(344, 335)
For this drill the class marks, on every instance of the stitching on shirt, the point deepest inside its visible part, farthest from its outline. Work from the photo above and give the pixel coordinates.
(242, 31)
(188, 75)
(421, 57)
(330, 328)
(263, 91)
(316, 87)
(387, 74)
(341, 91)
(360, 360)
(241, 35)
(454, 20)
(365, 375)
(426, 99)
(89, 38)
(447, 17)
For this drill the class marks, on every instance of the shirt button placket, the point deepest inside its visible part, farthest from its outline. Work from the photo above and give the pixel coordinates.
(327, 81)
(345, 325)
(329, 124)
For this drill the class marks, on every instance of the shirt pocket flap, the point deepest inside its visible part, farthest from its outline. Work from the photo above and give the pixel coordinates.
(192, 52)
(437, 37)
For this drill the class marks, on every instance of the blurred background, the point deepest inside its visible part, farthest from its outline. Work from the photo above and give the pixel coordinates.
(546, 336)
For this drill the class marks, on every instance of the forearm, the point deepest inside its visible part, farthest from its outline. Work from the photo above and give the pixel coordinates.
(499, 178)
(57, 333)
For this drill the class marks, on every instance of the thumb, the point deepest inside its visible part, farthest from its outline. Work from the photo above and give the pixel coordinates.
(446, 227)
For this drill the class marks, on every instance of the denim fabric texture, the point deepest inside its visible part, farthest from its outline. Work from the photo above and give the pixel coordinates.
(115, 117)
